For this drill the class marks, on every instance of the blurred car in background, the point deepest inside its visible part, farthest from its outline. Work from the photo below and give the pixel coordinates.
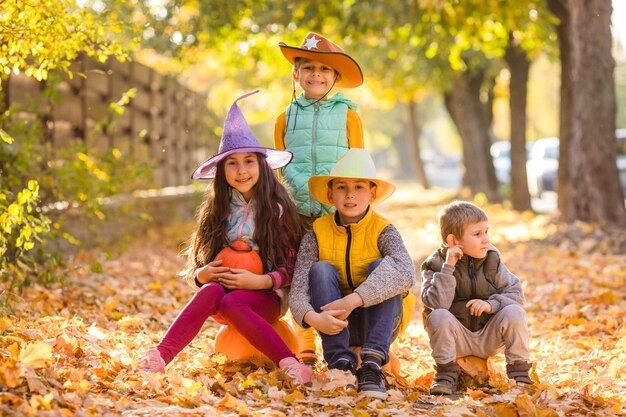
(621, 157)
(501, 155)
(543, 164)
(443, 170)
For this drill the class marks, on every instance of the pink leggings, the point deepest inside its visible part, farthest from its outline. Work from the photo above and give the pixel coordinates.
(250, 312)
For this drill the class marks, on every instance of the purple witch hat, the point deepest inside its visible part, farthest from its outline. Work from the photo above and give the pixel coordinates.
(237, 137)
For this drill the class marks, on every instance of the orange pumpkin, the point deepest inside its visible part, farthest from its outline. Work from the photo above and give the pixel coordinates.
(236, 347)
(240, 255)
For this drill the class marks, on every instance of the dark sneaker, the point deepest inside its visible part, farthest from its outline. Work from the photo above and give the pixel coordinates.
(344, 365)
(519, 372)
(446, 379)
(371, 381)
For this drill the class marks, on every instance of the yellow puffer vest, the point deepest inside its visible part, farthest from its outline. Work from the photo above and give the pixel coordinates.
(351, 249)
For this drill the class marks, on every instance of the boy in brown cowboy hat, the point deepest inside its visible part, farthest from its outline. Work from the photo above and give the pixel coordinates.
(317, 129)
(351, 273)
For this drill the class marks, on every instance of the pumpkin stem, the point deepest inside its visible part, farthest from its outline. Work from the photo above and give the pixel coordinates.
(243, 247)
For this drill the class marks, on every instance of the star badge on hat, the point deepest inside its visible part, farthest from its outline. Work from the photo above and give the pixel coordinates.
(315, 47)
(311, 42)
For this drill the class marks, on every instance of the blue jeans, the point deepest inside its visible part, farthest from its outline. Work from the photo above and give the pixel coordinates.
(373, 328)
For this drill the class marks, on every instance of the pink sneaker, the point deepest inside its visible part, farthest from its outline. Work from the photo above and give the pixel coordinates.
(301, 373)
(152, 362)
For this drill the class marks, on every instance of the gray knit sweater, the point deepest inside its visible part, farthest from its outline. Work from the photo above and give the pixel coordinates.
(394, 275)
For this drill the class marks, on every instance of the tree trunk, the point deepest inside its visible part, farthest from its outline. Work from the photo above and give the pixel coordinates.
(405, 165)
(588, 180)
(466, 110)
(519, 65)
(565, 112)
(413, 140)
(479, 87)
(5, 93)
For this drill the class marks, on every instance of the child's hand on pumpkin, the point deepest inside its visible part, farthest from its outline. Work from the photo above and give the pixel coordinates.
(242, 279)
(210, 272)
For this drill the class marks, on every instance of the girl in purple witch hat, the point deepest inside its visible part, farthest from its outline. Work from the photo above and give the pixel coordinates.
(247, 203)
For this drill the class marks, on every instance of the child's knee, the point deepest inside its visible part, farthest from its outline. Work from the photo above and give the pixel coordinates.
(321, 274)
(440, 318)
(230, 304)
(321, 268)
(211, 292)
(513, 315)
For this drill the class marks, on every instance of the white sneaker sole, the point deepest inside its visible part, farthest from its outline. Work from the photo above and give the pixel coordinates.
(375, 394)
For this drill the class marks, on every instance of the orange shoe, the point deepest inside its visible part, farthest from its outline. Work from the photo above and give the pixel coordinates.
(308, 358)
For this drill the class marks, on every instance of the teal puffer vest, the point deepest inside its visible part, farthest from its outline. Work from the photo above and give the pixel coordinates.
(475, 279)
(316, 135)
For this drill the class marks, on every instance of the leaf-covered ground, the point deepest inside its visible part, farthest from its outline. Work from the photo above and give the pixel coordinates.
(73, 349)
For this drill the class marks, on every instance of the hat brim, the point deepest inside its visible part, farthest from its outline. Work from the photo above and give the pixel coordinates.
(318, 187)
(351, 74)
(275, 158)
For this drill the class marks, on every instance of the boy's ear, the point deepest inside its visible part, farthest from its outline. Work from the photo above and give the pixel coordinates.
(295, 75)
(451, 240)
(373, 190)
(329, 194)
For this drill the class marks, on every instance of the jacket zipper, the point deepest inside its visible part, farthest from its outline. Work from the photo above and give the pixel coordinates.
(348, 245)
(473, 295)
(316, 109)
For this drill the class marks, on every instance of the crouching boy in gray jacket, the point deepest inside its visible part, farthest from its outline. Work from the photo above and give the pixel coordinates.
(472, 303)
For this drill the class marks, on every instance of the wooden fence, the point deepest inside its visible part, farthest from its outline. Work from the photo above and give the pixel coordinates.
(164, 124)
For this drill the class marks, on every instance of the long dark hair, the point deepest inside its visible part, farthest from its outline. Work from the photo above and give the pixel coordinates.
(278, 227)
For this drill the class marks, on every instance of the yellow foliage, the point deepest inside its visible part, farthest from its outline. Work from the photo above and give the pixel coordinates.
(9, 374)
(34, 30)
(82, 342)
(293, 397)
(234, 404)
(37, 354)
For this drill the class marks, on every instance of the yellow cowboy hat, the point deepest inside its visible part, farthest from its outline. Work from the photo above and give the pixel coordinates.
(356, 163)
(317, 48)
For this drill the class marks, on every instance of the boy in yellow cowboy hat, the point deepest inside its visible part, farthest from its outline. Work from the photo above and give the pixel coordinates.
(317, 129)
(351, 272)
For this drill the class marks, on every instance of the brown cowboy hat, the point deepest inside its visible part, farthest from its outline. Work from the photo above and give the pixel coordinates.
(317, 48)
